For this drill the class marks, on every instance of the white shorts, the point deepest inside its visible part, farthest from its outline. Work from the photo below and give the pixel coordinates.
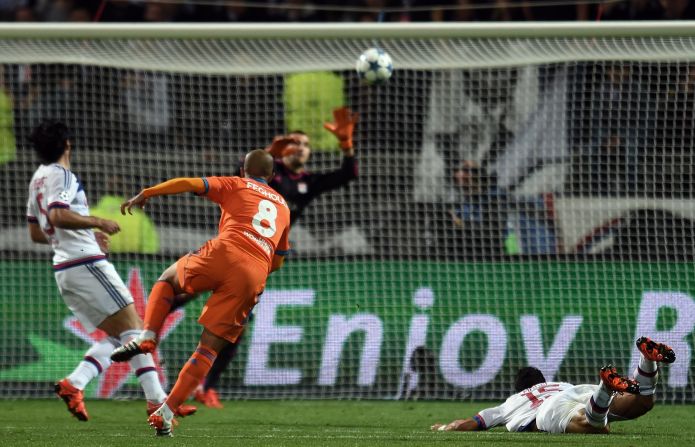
(93, 292)
(555, 413)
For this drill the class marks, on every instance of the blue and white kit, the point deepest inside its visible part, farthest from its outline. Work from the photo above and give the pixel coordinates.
(88, 283)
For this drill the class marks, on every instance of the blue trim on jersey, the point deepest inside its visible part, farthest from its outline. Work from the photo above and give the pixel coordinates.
(259, 179)
(110, 289)
(207, 186)
(76, 262)
(32, 219)
(108, 286)
(480, 421)
(66, 177)
(282, 252)
(58, 205)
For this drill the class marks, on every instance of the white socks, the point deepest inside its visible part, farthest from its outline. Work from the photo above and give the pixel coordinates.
(647, 376)
(145, 370)
(96, 360)
(166, 412)
(147, 335)
(597, 407)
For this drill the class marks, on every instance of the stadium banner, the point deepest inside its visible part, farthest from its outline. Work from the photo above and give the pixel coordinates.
(383, 329)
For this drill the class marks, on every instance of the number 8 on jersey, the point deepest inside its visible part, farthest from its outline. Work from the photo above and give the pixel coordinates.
(267, 212)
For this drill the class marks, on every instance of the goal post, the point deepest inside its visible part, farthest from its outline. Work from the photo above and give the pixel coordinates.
(524, 197)
(215, 48)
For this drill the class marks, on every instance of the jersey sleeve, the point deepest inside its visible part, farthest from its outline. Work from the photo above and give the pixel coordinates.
(61, 189)
(216, 188)
(490, 417)
(31, 211)
(328, 181)
(283, 248)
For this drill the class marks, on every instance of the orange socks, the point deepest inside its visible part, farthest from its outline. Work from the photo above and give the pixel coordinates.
(158, 306)
(190, 376)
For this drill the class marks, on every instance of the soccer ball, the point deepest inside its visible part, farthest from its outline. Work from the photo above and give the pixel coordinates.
(374, 66)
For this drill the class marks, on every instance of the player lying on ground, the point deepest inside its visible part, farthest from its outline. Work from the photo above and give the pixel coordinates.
(252, 242)
(58, 215)
(559, 407)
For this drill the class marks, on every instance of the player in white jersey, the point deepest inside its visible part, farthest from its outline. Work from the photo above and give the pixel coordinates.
(58, 215)
(559, 407)
(518, 412)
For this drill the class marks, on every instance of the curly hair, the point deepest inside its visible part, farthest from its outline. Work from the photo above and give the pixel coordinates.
(527, 377)
(49, 138)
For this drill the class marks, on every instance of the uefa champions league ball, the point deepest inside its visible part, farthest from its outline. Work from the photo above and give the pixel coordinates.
(374, 66)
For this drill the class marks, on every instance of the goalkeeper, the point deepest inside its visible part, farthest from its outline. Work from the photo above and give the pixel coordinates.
(292, 152)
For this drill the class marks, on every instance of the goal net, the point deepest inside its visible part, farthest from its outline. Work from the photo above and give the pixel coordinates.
(524, 197)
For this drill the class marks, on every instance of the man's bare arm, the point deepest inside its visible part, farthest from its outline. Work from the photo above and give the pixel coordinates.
(469, 424)
(69, 220)
(36, 234)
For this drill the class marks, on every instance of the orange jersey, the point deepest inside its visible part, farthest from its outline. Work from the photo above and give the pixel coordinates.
(255, 218)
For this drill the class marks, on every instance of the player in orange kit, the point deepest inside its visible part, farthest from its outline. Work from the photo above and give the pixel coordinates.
(252, 242)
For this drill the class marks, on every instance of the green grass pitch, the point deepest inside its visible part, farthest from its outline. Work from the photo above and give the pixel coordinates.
(311, 423)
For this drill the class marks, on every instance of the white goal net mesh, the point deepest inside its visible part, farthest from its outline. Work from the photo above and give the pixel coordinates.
(518, 202)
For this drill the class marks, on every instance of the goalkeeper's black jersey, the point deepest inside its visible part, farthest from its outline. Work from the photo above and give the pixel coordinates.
(300, 189)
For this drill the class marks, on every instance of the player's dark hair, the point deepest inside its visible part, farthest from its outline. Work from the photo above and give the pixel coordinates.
(49, 139)
(527, 377)
(300, 132)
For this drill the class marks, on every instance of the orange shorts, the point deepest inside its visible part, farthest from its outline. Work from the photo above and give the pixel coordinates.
(235, 278)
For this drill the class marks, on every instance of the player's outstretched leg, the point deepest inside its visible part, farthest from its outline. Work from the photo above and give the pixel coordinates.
(159, 304)
(596, 410)
(126, 324)
(158, 307)
(206, 392)
(594, 417)
(647, 375)
(146, 371)
(95, 361)
(190, 376)
(136, 346)
(647, 372)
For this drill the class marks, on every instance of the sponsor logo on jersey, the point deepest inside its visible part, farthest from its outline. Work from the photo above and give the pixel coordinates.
(39, 183)
(265, 246)
(64, 196)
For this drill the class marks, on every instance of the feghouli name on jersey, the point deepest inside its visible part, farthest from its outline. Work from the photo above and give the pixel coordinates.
(271, 195)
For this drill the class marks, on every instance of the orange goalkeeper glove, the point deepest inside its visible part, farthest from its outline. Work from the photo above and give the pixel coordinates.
(282, 146)
(343, 126)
